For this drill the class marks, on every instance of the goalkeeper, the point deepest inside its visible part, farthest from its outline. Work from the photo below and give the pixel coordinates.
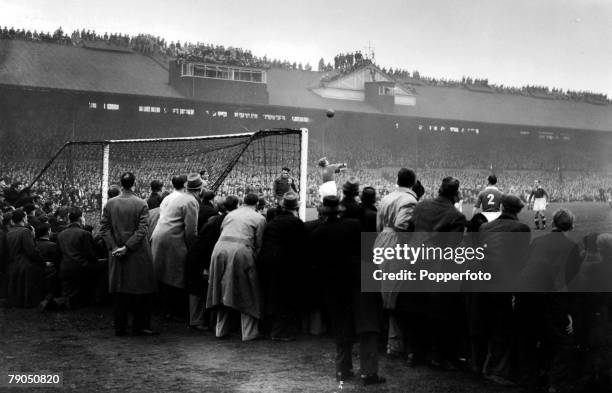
(327, 173)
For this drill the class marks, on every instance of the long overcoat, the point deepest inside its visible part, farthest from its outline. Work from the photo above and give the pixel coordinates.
(281, 263)
(175, 232)
(234, 281)
(25, 268)
(124, 223)
(338, 252)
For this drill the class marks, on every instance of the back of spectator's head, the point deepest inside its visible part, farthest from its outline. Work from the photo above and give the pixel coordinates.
(604, 246)
(208, 196)
(563, 220)
(75, 214)
(231, 202)
(368, 195)
(29, 208)
(178, 182)
(449, 187)
(221, 206)
(406, 178)
(251, 199)
(48, 207)
(418, 189)
(18, 216)
(156, 186)
(7, 218)
(512, 204)
(127, 180)
(492, 179)
(113, 191)
(42, 230)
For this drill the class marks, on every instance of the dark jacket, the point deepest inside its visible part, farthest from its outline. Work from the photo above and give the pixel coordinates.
(78, 250)
(553, 263)
(199, 254)
(352, 209)
(281, 262)
(207, 210)
(438, 215)
(124, 222)
(49, 251)
(507, 244)
(154, 200)
(282, 185)
(337, 251)
(436, 222)
(3, 264)
(25, 268)
(368, 220)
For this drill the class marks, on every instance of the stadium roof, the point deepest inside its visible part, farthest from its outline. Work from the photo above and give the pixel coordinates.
(74, 68)
(55, 66)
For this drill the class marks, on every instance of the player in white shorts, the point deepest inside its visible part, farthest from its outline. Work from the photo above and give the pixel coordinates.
(540, 200)
(489, 200)
(327, 174)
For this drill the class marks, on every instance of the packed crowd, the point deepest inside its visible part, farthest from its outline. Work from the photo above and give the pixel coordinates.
(483, 84)
(79, 183)
(343, 62)
(156, 46)
(186, 242)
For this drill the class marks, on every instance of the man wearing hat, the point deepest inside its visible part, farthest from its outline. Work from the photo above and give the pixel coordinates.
(207, 208)
(336, 243)
(283, 184)
(490, 303)
(176, 230)
(198, 263)
(349, 204)
(280, 266)
(368, 204)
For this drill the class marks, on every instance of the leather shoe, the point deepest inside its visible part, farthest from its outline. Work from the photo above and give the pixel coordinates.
(344, 376)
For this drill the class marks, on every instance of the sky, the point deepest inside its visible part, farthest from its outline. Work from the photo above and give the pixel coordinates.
(555, 43)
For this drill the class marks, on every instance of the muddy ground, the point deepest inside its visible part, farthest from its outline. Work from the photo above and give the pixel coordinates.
(81, 345)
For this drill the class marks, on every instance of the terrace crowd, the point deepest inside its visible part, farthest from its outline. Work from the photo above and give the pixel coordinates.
(343, 62)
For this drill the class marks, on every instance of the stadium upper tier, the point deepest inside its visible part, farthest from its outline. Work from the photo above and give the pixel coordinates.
(77, 68)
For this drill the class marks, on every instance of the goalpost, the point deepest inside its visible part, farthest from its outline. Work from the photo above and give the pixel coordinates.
(80, 173)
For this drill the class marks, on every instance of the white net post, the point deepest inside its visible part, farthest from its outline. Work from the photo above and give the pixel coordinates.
(105, 174)
(303, 173)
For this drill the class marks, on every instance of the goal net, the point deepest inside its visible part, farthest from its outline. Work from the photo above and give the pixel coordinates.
(80, 173)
